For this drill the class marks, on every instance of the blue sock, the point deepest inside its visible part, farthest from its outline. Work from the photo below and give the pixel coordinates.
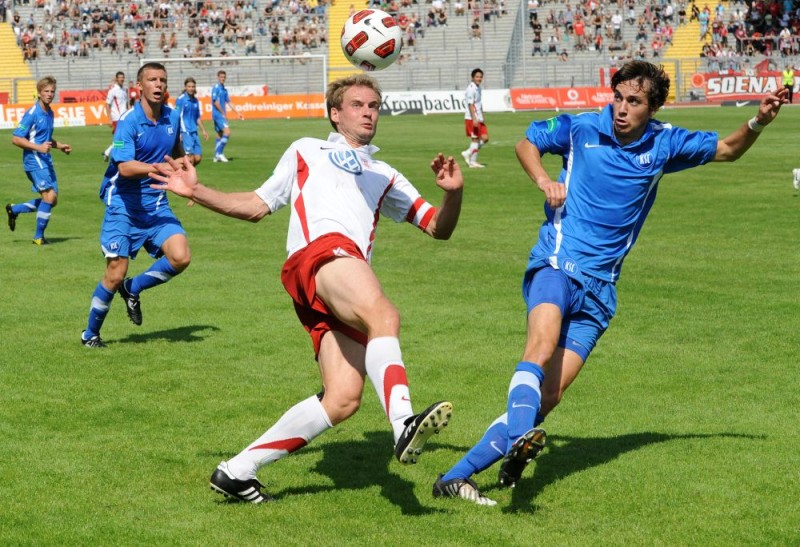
(101, 301)
(539, 419)
(216, 146)
(221, 145)
(160, 272)
(490, 449)
(42, 218)
(524, 399)
(28, 207)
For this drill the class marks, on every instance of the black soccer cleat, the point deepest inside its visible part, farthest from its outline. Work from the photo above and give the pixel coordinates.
(460, 488)
(419, 428)
(12, 218)
(132, 304)
(248, 491)
(93, 342)
(522, 452)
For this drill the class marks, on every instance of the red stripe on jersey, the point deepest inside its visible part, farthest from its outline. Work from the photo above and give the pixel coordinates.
(378, 216)
(299, 204)
(290, 445)
(414, 210)
(394, 375)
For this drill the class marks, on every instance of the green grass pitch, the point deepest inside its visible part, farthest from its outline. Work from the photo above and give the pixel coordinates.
(681, 430)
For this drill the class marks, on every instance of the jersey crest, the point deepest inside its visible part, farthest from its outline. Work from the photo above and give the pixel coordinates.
(346, 160)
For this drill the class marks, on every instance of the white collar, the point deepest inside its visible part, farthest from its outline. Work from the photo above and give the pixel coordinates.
(339, 139)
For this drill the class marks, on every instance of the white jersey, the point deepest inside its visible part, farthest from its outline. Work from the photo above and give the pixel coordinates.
(117, 101)
(335, 188)
(473, 96)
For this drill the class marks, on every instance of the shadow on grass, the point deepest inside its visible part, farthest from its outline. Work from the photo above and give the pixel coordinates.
(190, 333)
(574, 454)
(363, 464)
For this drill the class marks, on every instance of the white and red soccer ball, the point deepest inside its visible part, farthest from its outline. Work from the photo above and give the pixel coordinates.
(371, 39)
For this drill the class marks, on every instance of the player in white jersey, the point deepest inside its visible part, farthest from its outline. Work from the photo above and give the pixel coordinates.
(474, 123)
(116, 105)
(336, 191)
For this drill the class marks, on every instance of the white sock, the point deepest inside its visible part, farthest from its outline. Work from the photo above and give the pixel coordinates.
(387, 373)
(295, 429)
(473, 152)
(108, 150)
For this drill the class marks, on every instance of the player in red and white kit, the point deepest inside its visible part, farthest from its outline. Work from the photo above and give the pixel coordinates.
(474, 123)
(337, 192)
(116, 105)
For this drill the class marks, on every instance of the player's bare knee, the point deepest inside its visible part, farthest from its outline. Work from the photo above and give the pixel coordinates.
(382, 318)
(340, 407)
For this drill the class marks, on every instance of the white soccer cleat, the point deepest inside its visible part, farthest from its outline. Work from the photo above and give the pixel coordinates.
(476, 165)
(221, 157)
(465, 155)
(796, 181)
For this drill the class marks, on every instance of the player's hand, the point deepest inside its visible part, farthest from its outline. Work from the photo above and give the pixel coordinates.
(448, 173)
(66, 148)
(45, 147)
(771, 105)
(555, 193)
(177, 176)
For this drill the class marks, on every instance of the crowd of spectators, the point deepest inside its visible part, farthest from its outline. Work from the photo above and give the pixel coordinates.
(76, 28)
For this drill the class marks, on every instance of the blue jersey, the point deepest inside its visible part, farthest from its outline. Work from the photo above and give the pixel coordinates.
(36, 126)
(137, 138)
(219, 94)
(188, 108)
(610, 187)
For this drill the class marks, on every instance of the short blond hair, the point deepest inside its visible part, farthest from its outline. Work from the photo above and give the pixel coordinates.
(44, 82)
(336, 89)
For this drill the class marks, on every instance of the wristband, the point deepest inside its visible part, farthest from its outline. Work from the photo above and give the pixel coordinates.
(754, 126)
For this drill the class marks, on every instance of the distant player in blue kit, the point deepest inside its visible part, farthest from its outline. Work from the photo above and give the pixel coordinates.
(189, 110)
(612, 163)
(220, 100)
(137, 215)
(34, 135)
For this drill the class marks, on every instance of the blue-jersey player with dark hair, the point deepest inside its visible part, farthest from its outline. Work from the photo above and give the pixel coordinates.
(137, 215)
(220, 100)
(34, 135)
(190, 113)
(613, 161)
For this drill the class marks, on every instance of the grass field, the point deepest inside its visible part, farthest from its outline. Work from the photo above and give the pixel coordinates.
(682, 429)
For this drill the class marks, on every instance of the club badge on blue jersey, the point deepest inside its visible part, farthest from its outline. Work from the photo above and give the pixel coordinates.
(347, 160)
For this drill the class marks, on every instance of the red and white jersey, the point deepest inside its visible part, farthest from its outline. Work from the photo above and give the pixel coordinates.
(473, 96)
(117, 101)
(335, 188)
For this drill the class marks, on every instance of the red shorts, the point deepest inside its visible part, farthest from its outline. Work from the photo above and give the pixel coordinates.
(298, 278)
(479, 131)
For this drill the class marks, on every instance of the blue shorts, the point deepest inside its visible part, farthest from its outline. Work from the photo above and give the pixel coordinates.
(122, 235)
(191, 143)
(587, 305)
(220, 123)
(43, 179)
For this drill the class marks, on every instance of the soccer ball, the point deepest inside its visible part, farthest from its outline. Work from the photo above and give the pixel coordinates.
(371, 39)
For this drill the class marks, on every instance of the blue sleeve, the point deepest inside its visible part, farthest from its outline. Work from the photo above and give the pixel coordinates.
(24, 127)
(124, 141)
(690, 149)
(551, 135)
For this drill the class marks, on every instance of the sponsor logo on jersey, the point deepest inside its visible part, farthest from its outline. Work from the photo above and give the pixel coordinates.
(645, 159)
(346, 160)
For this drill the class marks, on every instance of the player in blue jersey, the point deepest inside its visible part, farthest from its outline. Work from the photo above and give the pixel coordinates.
(612, 163)
(137, 215)
(189, 111)
(34, 135)
(220, 100)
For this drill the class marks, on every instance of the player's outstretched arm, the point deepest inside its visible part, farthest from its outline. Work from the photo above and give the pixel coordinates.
(733, 147)
(180, 178)
(450, 179)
